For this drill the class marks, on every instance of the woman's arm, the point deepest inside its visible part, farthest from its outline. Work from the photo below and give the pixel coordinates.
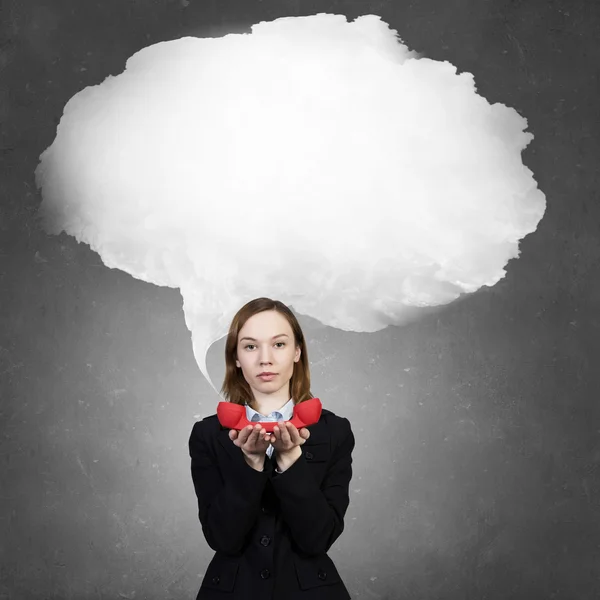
(315, 516)
(227, 508)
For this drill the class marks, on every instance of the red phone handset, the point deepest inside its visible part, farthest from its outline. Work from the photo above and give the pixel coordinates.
(233, 416)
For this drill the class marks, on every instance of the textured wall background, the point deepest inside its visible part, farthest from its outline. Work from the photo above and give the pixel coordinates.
(476, 465)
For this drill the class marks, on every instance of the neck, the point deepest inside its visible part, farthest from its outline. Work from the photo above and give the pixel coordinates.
(265, 408)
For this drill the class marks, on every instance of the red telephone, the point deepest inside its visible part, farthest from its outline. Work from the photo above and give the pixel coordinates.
(233, 416)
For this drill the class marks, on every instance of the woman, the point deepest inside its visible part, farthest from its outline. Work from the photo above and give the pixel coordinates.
(271, 505)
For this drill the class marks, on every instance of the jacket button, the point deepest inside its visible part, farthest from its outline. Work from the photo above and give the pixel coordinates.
(265, 573)
(265, 540)
(216, 580)
(308, 455)
(264, 509)
(322, 575)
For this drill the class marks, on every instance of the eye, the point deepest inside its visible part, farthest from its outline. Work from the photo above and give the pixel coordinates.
(248, 345)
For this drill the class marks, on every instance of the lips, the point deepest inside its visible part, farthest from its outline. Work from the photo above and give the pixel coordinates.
(265, 374)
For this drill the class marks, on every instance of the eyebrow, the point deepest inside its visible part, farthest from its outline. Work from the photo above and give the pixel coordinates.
(274, 337)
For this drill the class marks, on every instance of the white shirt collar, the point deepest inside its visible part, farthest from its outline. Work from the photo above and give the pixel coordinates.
(286, 412)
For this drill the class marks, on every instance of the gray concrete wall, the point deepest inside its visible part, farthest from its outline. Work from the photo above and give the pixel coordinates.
(479, 480)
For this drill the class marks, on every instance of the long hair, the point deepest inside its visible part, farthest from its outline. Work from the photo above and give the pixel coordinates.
(235, 388)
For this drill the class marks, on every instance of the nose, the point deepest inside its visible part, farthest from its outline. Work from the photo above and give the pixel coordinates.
(265, 357)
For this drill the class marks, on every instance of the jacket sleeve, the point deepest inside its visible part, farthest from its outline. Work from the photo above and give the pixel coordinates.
(315, 516)
(228, 503)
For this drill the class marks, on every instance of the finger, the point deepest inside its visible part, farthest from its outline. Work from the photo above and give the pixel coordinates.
(276, 440)
(292, 429)
(244, 434)
(247, 436)
(279, 431)
(236, 436)
(259, 436)
(289, 434)
(255, 434)
(303, 435)
(285, 434)
(295, 436)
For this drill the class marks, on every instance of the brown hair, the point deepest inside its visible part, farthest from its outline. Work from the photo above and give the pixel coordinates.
(235, 388)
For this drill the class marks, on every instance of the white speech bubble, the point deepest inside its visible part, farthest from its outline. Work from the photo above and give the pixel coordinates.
(314, 161)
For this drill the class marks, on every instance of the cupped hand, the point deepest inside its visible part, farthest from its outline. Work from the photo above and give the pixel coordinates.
(286, 437)
(253, 441)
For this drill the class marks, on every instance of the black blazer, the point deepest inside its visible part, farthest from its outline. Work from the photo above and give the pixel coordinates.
(271, 532)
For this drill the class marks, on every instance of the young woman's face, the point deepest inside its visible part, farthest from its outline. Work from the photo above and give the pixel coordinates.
(266, 352)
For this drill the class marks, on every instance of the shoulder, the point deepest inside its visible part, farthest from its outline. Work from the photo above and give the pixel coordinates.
(207, 427)
(336, 421)
(340, 431)
(340, 428)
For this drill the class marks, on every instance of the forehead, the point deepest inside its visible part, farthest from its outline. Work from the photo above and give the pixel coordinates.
(266, 325)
